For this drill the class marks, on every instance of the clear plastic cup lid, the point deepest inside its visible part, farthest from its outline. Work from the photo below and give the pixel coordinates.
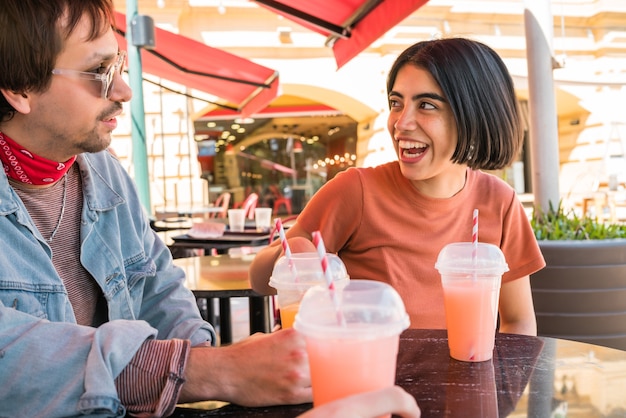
(363, 309)
(458, 258)
(306, 271)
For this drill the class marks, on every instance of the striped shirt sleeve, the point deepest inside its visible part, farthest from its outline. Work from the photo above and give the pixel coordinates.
(150, 384)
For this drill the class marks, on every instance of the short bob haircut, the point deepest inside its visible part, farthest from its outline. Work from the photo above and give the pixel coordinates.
(480, 92)
(34, 35)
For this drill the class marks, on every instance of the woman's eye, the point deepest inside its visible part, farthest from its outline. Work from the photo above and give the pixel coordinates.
(393, 103)
(427, 106)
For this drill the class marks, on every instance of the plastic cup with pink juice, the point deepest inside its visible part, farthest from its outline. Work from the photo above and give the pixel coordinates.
(292, 279)
(471, 274)
(357, 354)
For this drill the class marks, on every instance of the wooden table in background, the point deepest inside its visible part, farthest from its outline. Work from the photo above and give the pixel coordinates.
(223, 277)
(221, 244)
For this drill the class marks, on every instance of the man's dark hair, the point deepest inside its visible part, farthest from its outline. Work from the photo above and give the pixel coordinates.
(33, 35)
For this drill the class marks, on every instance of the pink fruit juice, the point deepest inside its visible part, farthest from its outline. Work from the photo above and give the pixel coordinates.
(343, 367)
(471, 307)
(351, 337)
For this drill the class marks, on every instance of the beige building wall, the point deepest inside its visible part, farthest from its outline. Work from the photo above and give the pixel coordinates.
(589, 46)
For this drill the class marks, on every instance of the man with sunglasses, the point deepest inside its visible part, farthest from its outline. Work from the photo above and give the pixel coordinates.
(94, 317)
(106, 77)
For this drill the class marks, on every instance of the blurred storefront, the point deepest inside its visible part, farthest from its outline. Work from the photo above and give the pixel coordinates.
(589, 78)
(288, 149)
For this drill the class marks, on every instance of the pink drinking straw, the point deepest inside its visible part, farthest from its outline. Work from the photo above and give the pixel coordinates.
(321, 252)
(286, 249)
(475, 240)
(474, 253)
(283, 239)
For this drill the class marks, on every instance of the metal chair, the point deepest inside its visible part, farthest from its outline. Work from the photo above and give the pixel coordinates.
(280, 200)
(249, 204)
(222, 201)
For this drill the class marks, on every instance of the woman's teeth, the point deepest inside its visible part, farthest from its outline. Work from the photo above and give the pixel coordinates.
(411, 148)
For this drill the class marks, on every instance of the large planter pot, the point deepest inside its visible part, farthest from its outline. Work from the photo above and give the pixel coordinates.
(581, 294)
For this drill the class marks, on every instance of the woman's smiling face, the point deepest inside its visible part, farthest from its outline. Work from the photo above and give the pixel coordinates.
(424, 133)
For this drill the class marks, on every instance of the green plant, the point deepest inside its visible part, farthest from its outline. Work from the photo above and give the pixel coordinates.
(556, 224)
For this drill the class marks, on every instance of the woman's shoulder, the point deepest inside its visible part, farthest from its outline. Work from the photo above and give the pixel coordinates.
(489, 187)
(490, 181)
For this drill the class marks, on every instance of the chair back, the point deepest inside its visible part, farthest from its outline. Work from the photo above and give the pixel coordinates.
(275, 191)
(280, 199)
(222, 200)
(249, 204)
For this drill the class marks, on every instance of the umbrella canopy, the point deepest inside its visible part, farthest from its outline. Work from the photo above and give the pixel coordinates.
(244, 85)
(350, 25)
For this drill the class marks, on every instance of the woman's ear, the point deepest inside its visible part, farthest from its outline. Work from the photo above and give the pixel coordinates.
(19, 100)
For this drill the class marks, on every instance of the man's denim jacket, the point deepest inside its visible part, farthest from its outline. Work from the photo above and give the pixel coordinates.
(49, 365)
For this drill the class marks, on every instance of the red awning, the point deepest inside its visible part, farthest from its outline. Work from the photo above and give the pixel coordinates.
(350, 25)
(275, 111)
(246, 86)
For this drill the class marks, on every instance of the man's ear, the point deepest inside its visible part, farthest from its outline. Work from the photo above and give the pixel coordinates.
(19, 100)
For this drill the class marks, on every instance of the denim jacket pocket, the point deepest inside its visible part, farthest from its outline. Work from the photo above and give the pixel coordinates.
(28, 298)
(127, 290)
(137, 273)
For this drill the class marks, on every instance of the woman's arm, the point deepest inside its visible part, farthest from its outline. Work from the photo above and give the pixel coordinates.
(261, 268)
(517, 314)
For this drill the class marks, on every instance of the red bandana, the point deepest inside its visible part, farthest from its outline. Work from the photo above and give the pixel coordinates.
(24, 166)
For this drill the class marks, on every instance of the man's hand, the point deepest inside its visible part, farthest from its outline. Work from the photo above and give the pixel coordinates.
(261, 370)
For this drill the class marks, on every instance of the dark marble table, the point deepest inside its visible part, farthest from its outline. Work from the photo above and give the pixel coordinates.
(527, 377)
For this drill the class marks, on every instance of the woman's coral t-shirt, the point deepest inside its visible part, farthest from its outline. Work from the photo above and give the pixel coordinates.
(384, 229)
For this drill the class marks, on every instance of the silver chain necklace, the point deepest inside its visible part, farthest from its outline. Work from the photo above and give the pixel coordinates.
(56, 228)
